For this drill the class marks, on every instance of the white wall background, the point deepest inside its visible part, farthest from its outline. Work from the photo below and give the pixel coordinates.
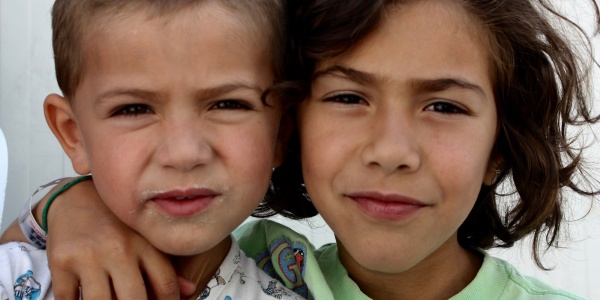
(27, 76)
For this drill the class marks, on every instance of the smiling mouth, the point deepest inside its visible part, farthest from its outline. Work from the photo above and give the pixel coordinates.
(386, 207)
(184, 203)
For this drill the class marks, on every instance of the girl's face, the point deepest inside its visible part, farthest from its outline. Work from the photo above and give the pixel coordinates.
(397, 136)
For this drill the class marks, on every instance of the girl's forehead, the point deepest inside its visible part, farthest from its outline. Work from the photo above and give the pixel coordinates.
(417, 13)
(428, 37)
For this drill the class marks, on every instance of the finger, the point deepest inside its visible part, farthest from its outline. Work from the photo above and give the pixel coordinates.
(95, 285)
(65, 285)
(186, 288)
(161, 276)
(128, 283)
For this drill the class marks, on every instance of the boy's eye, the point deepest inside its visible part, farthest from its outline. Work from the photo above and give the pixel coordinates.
(230, 104)
(132, 110)
(446, 108)
(346, 99)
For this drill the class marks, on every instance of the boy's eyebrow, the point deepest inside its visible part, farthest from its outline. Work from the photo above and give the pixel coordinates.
(427, 85)
(121, 91)
(202, 94)
(226, 88)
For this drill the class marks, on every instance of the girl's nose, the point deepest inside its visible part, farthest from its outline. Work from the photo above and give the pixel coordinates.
(392, 144)
(185, 146)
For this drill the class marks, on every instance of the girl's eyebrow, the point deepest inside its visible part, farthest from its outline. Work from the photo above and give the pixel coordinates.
(422, 85)
(360, 77)
(441, 84)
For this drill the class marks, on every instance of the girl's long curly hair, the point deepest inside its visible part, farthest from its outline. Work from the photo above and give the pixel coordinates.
(541, 87)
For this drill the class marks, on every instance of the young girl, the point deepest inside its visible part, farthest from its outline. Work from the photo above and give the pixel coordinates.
(163, 103)
(411, 116)
(410, 125)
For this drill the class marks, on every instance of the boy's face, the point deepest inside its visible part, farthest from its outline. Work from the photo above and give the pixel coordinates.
(397, 136)
(172, 124)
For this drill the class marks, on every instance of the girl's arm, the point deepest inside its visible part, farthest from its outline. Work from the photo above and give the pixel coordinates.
(88, 246)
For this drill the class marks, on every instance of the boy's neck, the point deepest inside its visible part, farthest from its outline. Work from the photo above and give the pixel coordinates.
(440, 276)
(201, 267)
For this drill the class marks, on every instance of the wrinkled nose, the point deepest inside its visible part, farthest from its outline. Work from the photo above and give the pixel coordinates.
(185, 146)
(393, 143)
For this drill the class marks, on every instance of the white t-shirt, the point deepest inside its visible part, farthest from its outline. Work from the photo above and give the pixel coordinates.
(24, 275)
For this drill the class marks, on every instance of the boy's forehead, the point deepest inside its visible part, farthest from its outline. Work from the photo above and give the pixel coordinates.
(133, 24)
(148, 43)
(75, 23)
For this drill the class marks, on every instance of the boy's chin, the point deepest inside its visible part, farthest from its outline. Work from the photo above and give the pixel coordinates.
(186, 245)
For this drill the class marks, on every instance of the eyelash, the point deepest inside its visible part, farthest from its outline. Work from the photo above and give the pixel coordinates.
(231, 104)
(346, 98)
(446, 108)
(440, 106)
(132, 110)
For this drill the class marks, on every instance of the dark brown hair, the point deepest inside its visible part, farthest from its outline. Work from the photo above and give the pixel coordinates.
(73, 19)
(540, 86)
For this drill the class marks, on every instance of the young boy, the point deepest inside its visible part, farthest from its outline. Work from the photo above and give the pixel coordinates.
(163, 105)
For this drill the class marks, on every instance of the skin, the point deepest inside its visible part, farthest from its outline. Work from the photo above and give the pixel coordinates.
(376, 136)
(399, 134)
(166, 117)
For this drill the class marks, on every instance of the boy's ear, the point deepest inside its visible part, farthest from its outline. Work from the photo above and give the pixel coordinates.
(286, 127)
(62, 122)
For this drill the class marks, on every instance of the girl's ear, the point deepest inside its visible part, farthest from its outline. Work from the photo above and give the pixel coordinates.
(286, 127)
(62, 122)
(493, 169)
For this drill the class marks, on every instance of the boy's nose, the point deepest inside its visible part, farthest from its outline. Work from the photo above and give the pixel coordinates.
(392, 144)
(184, 146)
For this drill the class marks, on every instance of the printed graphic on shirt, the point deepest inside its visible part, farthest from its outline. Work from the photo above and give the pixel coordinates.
(26, 287)
(215, 281)
(285, 257)
(239, 279)
(273, 289)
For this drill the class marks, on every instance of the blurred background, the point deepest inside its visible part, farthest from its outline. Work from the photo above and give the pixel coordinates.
(35, 157)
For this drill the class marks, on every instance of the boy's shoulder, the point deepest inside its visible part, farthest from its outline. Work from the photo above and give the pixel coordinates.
(25, 273)
(498, 279)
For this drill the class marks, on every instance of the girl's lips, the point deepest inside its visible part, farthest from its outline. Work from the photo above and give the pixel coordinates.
(390, 207)
(184, 203)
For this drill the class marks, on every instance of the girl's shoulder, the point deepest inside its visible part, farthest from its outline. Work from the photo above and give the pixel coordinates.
(238, 277)
(285, 255)
(498, 279)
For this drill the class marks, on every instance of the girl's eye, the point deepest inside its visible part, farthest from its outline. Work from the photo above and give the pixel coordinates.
(446, 108)
(230, 104)
(346, 99)
(132, 110)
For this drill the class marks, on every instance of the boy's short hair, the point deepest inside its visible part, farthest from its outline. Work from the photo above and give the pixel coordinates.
(72, 20)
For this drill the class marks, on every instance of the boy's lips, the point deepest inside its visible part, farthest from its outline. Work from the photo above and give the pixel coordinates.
(184, 203)
(390, 207)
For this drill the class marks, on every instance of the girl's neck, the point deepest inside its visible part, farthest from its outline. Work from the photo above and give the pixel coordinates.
(443, 274)
(201, 267)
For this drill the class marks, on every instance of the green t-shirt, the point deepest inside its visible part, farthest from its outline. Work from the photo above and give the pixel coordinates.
(319, 274)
